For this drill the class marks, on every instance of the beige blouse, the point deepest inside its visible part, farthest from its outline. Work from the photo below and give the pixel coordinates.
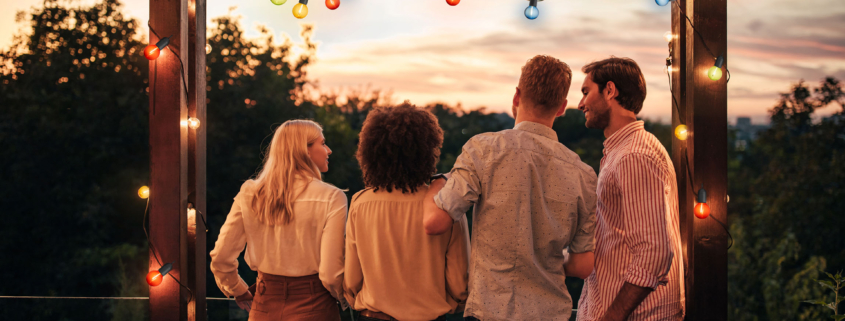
(394, 267)
(311, 243)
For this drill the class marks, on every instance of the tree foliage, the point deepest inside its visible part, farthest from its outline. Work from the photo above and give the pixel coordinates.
(787, 198)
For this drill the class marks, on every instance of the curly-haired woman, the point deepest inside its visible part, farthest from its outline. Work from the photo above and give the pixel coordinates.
(394, 270)
(292, 226)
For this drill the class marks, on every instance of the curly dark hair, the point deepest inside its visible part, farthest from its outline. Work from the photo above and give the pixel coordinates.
(398, 148)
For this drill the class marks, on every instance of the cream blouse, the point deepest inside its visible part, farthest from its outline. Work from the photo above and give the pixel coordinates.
(311, 243)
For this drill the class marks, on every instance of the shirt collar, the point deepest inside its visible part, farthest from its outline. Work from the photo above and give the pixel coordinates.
(620, 135)
(536, 128)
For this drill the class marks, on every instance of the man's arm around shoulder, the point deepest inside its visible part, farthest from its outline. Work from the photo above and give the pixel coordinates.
(580, 265)
(435, 220)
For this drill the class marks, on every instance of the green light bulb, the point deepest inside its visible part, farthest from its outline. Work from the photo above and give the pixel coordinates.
(278, 2)
(715, 73)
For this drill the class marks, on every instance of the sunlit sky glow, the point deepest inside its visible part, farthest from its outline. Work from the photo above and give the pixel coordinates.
(426, 51)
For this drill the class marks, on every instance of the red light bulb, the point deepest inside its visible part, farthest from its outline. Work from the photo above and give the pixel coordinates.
(702, 210)
(151, 52)
(332, 4)
(154, 278)
(453, 2)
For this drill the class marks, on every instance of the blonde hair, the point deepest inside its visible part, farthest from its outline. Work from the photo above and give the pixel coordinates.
(545, 81)
(286, 161)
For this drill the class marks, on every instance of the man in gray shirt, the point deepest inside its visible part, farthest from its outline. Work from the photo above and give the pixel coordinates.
(534, 199)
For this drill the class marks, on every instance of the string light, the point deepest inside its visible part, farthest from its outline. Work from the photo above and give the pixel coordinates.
(332, 4)
(207, 48)
(702, 210)
(153, 51)
(278, 2)
(193, 123)
(154, 278)
(668, 36)
(681, 132)
(532, 12)
(453, 2)
(662, 2)
(300, 10)
(144, 192)
(715, 72)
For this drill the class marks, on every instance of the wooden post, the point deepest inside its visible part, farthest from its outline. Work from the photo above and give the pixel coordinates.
(196, 159)
(169, 160)
(703, 108)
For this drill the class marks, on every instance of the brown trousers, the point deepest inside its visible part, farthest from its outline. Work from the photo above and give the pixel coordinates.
(292, 299)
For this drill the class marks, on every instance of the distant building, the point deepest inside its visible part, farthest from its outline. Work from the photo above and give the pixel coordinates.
(746, 132)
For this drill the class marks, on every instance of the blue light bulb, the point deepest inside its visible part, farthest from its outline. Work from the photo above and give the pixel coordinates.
(662, 2)
(531, 12)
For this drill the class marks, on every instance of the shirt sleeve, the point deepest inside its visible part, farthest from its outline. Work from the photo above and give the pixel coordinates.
(457, 259)
(645, 221)
(331, 247)
(353, 279)
(584, 240)
(464, 186)
(224, 256)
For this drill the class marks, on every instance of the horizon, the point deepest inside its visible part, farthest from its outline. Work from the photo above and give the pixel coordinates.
(469, 56)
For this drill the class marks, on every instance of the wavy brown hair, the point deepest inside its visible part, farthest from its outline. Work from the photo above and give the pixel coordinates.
(398, 148)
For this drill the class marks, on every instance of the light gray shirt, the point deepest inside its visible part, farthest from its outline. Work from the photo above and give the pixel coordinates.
(533, 197)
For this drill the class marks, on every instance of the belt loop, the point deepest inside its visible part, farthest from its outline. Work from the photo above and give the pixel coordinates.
(311, 287)
(285, 289)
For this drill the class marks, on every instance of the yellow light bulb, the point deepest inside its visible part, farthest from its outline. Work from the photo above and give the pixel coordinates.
(144, 192)
(193, 123)
(681, 132)
(668, 36)
(300, 10)
(715, 73)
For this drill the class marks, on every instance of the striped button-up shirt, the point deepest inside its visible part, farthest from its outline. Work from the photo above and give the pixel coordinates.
(533, 197)
(637, 231)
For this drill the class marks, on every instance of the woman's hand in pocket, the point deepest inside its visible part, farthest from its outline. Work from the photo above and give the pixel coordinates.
(244, 301)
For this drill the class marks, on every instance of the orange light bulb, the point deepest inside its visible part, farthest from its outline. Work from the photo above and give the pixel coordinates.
(702, 210)
(332, 4)
(154, 278)
(453, 2)
(151, 52)
(300, 10)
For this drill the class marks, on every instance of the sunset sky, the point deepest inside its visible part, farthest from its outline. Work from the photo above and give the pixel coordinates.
(427, 51)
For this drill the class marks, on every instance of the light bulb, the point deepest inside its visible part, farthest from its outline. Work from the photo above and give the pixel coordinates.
(193, 123)
(532, 12)
(144, 192)
(278, 2)
(332, 4)
(453, 2)
(662, 2)
(153, 51)
(300, 10)
(207, 48)
(715, 72)
(668, 36)
(681, 132)
(701, 210)
(154, 278)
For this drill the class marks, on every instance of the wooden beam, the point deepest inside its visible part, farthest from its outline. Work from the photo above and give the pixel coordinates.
(169, 159)
(197, 308)
(703, 108)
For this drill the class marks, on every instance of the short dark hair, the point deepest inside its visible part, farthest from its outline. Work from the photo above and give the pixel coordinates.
(398, 148)
(545, 81)
(626, 75)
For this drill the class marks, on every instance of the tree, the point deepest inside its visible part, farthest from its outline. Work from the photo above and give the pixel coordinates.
(786, 199)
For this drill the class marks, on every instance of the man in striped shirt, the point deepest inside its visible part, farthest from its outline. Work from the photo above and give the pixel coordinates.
(638, 273)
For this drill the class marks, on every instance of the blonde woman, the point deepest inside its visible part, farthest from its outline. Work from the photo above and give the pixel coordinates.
(292, 225)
